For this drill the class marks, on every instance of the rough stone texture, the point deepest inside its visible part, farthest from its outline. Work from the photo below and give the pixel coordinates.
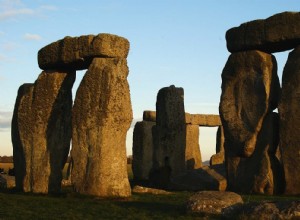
(149, 116)
(199, 179)
(3, 182)
(21, 132)
(212, 203)
(277, 33)
(290, 121)
(102, 115)
(264, 210)
(250, 89)
(41, 131)
(192, 149)
(193, 119)
(78, 52)
(203, 120)
(262, 172)
(143, 190)
(218, 158)
(170, 130)
(142, 150)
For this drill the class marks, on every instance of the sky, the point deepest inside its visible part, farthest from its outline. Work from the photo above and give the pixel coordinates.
(179, 43)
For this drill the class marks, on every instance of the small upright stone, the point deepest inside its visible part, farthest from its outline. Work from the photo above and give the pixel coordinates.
(192, 148)
(290, 121)
(102, 115)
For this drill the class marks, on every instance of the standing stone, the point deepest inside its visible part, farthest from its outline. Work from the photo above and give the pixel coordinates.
(290, 122)
(192, 150)
(260, 173)
(142, 150)
(250, 89)
(102, 115)
(170, 130)
(21, 132)
(43, 121)
(218, 158)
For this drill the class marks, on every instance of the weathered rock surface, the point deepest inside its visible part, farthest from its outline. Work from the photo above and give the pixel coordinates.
(199, 179)
(192, 148)
(290, 121)
(277, 33)
(262, 172)
(41, 131)
(212, 203)
(102, 115)
(264, 210)
(250, 89)
(219, 157)
(143, 190)
(21, 135)
(149, 116)
(142, 150)
(170, 130)
(203, 120)
(78, 52)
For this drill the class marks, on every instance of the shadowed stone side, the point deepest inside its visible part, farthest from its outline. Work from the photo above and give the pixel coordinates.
(78, 52)
(290, 121)
(277, 33)
(21, 132)
(102, 115)
(43, 120)
(142, 150)
(218, 158)
(250, 89)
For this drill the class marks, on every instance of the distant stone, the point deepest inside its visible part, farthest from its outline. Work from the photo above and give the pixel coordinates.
(146, 190)
(76, 53)
(219, 157)
(199, 179)
(290, 121)
(192, 148)
(102, 115)
(3, 182)
(212, 203)
(171, 130)
(41, 131)
(149, 116)
(277, 33)
(203, 120)
(250, 89)
(142, 150)
(264, 210)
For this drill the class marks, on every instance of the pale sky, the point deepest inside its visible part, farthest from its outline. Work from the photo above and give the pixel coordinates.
(179, 43)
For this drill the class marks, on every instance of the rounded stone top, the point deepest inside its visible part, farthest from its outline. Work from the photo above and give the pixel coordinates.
(76, 53)
(279, 32)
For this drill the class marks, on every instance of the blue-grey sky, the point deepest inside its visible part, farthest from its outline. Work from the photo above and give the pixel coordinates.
(171, 42)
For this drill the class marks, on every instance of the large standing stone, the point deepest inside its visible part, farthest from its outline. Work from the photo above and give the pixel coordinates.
(42, 131)
(262, 172)
(277, 33)
(290, 122)
(192, 148)
(102, 115)
(142, 150)
(78, 52)
(250, 89)
(21, 132)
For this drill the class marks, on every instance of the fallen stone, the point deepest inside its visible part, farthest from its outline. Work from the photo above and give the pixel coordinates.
(143, 190)
(142, 150)
(76, 53)
(198, 180)
(212, 203)
(102, 115)
(264, 210)
(277, 33)
(289, 122)
(250, 89)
